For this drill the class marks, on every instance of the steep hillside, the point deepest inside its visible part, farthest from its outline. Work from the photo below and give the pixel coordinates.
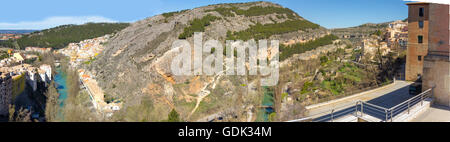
(61, 36)
(135, 66)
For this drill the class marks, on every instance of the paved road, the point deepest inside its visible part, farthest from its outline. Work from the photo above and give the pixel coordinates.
(387, 96)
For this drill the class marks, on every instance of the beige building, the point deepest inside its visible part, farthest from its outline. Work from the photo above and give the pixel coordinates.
(428, 48)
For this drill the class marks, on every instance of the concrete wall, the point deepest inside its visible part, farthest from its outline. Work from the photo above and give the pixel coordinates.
(414, 66)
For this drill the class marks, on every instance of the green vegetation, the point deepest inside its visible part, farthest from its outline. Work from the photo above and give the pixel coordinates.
(284, 95)
(170, 14)
(333, 86)
(378, 33)
(351, 75)
(306, 87)
(18, 85)
(260, 31)
(254, 11)
(89, 61)
(173, 116)
(288, 51)
(258, 10)
(61, 36)
(227, 12)
(323, 60)
(3, 55)
(197, 25)
(7, 43)
(273, 117)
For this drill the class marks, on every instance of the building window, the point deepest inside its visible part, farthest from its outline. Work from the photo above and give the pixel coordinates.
(419, 58)
(421, 24)
(420, 39)
(421, 11)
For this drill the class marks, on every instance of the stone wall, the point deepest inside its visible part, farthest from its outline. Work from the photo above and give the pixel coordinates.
(436, 68)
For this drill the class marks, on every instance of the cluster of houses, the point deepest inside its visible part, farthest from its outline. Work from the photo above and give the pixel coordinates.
(38, 49)
(13, 80)
(15, 58)
(9, 36)
(16, 74)
(85, 50)
(396, 35)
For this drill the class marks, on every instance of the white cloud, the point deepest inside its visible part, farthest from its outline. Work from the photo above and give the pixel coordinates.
(432, 1)
(51, 22)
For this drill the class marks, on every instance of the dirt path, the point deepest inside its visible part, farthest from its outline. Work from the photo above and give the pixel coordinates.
(204, 92)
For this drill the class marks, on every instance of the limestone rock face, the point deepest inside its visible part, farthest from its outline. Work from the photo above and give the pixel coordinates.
(136, 61)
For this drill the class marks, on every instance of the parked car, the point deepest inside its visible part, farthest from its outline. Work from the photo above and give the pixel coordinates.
(416, 87)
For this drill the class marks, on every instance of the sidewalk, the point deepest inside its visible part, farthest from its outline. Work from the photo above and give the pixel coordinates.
(435, 113)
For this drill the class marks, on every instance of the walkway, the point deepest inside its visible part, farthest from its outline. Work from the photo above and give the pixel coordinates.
(386, 96)
(435, 113)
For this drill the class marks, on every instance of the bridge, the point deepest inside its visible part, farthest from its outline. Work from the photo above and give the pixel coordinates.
(391, 103)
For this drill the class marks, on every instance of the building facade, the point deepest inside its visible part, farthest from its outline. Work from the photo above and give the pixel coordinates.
(432, 23)
(418, 23)
(5, 93)
(436, 63)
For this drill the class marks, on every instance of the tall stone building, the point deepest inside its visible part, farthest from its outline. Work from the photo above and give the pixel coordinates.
(5, 93)
(418, 23)
(428, 48)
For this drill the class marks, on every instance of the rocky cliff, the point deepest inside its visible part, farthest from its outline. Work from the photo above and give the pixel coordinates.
(135, 65)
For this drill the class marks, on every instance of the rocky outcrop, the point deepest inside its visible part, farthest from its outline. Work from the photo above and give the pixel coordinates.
(136, 61)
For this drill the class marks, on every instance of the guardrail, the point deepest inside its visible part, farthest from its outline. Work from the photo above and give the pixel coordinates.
(388, 114)
(328, 115)
(362, 108)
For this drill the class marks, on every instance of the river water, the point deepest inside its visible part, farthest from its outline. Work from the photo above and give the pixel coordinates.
(61, 86)
(267, 103)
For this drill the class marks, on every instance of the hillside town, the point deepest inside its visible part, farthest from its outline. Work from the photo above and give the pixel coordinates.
(85, 52)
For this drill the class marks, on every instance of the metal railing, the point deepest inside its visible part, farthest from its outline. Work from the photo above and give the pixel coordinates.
(362, 108)
(388, 114)
(329, 115)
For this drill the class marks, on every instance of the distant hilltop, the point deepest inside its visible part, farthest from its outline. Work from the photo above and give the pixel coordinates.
(17, 31)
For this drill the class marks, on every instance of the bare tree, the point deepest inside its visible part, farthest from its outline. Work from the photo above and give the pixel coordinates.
(52, 103)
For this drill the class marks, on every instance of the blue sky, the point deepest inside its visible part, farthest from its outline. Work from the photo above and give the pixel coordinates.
(42, 14)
